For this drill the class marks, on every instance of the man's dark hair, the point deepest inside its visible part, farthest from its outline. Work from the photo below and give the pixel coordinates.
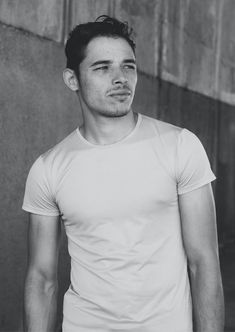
(82, 34)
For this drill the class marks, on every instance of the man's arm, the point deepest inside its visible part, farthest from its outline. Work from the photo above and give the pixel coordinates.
(199, 232)
(41, 280)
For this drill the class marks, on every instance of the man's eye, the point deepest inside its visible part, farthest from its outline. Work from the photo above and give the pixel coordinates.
(102, 68)
(132, 67)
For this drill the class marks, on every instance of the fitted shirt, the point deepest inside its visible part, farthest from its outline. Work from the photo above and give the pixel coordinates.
(119, 206)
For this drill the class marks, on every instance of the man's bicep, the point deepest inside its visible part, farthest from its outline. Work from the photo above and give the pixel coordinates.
(43, 243)
(198, 222)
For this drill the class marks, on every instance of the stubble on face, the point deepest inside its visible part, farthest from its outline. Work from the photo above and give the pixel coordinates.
(118, 108)
(114, 113)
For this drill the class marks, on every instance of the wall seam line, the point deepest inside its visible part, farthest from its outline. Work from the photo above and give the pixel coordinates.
(218, 48)
(67, 20)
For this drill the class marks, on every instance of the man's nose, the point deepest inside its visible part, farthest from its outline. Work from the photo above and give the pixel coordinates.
(119, 77)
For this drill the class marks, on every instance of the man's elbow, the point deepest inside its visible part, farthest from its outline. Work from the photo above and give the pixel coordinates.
(37, 280)
(206, 260)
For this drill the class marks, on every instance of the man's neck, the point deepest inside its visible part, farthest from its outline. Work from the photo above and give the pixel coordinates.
(108, 130)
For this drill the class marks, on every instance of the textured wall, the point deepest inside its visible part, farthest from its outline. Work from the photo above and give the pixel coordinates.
(227, 51)
(190, 30)
(44, 18)
(36, 112)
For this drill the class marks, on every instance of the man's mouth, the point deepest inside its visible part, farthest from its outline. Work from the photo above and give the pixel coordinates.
(120, 94)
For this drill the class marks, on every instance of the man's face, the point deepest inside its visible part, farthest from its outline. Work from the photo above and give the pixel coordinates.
(108, 76)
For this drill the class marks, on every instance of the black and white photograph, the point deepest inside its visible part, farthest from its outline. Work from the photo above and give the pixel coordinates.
(117, 141)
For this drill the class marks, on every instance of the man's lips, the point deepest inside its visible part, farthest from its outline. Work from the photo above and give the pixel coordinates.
(119, 93)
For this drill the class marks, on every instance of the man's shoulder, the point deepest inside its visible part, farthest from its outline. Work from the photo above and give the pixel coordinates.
(60, 152)
(67, 144)
(164, 130)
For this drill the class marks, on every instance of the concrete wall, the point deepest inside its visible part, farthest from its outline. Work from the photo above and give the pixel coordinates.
(36, 112)
(43, 18)
(186, 76)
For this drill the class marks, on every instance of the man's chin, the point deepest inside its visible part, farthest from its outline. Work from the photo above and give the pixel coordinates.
(117, 113)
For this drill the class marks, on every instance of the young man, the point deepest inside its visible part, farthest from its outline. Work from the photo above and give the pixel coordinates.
(134, 195)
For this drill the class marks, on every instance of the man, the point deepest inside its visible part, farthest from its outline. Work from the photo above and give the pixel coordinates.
(135, 197)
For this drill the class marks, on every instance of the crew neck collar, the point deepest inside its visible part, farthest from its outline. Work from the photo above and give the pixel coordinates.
(139, 118)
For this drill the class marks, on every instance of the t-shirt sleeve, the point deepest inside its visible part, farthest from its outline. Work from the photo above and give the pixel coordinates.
(193, 167)
(38, 197)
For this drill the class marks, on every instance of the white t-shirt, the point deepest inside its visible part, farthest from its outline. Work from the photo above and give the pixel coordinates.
(119, 205)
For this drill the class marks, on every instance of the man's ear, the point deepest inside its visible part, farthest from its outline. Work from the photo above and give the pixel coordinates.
(70, 79)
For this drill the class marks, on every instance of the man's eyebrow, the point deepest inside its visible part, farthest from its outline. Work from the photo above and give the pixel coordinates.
(100, 62)
(107, 62)
(130, 61)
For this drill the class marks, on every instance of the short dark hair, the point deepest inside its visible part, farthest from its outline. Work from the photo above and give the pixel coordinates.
(82, 34)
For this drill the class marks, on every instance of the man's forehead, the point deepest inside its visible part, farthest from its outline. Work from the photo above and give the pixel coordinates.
(105, 46)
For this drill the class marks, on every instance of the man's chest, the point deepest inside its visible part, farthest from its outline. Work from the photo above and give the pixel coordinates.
(119, 184)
